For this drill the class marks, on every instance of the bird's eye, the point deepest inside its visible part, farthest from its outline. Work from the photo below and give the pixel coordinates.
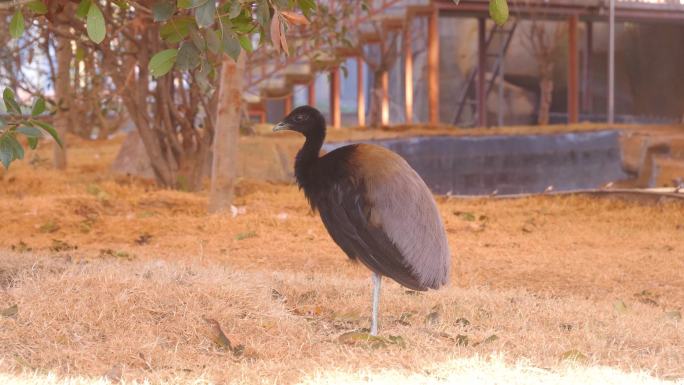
(300, 118)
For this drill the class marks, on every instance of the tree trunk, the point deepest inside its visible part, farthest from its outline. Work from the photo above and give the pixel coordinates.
(545, 93)
(62, 87)
(227, 134)
(376, 96)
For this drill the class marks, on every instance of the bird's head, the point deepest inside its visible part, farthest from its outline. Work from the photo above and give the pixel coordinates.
(306, 120)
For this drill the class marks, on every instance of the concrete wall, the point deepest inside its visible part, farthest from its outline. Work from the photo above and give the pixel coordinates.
(511, 164)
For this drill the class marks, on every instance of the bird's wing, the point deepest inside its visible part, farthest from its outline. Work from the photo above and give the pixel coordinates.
(346, 214)
(400, 203)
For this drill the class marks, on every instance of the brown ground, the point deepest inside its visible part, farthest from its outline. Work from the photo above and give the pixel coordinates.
(113, 274)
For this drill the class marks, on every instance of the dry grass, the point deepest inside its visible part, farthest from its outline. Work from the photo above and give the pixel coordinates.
(546, 275)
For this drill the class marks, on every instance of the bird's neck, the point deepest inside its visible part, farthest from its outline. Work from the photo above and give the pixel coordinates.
(307, 157)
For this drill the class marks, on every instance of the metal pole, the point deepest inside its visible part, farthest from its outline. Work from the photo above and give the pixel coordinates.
(573, 67)
(586, 63)
(481, 62)
(500, 109)
(611, 63)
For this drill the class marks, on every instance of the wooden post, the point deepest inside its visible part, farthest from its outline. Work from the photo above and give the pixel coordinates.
(311, 92)
(481, 63)
(433, 66)
(573, 67)
(288, 103)
(335, 97)
(586, 71)
(360, 93)
(384, 106)
(408, 72)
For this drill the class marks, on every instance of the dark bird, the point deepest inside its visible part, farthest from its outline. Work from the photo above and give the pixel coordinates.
(374, 206)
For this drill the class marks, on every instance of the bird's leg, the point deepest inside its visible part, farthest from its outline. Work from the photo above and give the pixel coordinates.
(376, 303)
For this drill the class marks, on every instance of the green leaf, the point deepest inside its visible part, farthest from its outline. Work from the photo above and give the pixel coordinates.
(184, 4)
(231, 45)
(95, 24)
(17, 25)
(235, 9)
(31, 132)
(205, 14)
(11, 103)
(162, 62)
(176, 29)
(246, 42)
(263, 13)
(83, 8)
(48, 128)
(122, 4)
(163, 10)
(188, 56)
(38, 107)
(213, 41)
(10, 150)
(198, 39)
(17, 149)
(307, 6)
(498, 11)
(6, 151)
(32, 142)
(37, 7)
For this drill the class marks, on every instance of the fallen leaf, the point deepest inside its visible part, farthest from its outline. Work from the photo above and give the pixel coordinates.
(404, 318)
(484, 313)
(11, 311)
(620, 306)
(105, 253)
(238, 350)
(432, 318)
(363, 338)
(647, 297)
(397, 340)
(674, 315)
(574, 355)
(48, 227)
(461, 340)
(21, 247)
(348, 317)
(245, 235)
(466, 216)
(143, 239)
(307, 296)
(275, 295)
(462, 322)
(59, 245)
(217, 336)
(487, 340)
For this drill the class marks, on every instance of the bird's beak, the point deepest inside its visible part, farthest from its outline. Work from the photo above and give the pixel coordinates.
(281, 126)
